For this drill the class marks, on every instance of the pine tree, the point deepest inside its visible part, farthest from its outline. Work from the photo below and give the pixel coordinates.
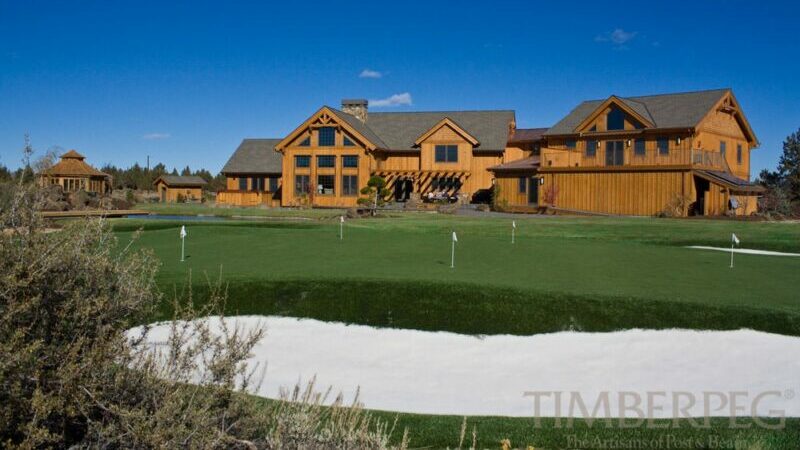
(789, 165)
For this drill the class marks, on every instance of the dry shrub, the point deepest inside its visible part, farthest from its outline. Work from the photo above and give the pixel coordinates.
(70, 376)
(676, 206)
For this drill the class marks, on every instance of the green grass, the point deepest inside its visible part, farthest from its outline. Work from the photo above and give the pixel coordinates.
(593, 274)
(426, 431)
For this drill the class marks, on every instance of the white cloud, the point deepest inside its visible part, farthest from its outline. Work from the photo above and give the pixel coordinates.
(156, 136)
(618, 37)
(369, 73)
(393, 100)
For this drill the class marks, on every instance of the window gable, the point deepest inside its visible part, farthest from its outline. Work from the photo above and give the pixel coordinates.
(615, 120)
(327, 136)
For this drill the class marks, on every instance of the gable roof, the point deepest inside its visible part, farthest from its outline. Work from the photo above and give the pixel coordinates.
(255, 156)
(181, 180)
(399, 130)
(453, 126)
(680, 110)
(72, 164)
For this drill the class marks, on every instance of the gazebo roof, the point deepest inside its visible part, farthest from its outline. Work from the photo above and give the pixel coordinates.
(72, 164)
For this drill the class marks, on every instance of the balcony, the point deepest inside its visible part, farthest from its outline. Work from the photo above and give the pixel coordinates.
(695, 158)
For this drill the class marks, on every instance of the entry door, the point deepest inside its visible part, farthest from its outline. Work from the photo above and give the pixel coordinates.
(400, 190)
(533, 191)
(408, 189)
(163, 195)
(615, 155)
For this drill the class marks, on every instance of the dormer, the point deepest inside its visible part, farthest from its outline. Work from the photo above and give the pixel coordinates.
(615, 114)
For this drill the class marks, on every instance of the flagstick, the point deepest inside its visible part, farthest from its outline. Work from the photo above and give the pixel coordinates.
(512, 234)
(341, 231)
(732, 255)
(453, 255)
(183, 241)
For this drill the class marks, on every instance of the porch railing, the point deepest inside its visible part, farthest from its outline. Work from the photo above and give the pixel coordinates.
(709, 159)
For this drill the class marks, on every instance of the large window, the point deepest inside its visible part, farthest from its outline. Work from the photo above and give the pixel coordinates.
(326, 161)
(256, 184)
(570, 143)
(302, 161)
(639, 147)
(350, 161)
(523, 185)
(306, 142)
(615, 119)
(591, 148)
(663, 146)
(447, 153)
(738, 153)
(347, 142)
(242, 184)
(302, 184)
(723, 147)
(325, 184)
(349, 185)
(273, 184)
(327, 137)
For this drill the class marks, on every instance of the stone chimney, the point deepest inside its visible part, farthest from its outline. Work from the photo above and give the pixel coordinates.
(356, 107)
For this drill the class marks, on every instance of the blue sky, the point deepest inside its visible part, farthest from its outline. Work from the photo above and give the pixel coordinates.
(184, 82)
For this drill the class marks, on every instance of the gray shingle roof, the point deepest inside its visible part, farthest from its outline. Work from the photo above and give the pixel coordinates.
(181, 180)
(255, 156)
(680, 110)
(527, 134)
(529, 163)
(398, 130)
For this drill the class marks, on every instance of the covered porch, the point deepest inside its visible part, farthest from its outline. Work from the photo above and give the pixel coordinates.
(423, 184)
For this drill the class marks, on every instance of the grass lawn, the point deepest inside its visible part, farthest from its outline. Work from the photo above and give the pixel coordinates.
(594, 274)
(590, 274)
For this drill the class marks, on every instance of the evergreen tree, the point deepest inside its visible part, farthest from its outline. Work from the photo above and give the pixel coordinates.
(789, 165)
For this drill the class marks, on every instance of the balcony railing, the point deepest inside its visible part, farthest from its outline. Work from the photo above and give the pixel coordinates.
(708, 159)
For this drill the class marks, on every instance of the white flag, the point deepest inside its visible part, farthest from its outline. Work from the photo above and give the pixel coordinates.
(513, 224)
(183, 231)
(734, 239)
(341, 219)
(455, 238)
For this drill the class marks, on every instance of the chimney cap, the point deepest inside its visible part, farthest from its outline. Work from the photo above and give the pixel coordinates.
(354, 101)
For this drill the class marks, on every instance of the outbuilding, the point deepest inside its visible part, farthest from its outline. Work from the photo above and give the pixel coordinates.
(176, 188)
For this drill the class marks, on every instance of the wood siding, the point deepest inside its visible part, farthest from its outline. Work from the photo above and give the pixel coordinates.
(174, 194)
(639, 193)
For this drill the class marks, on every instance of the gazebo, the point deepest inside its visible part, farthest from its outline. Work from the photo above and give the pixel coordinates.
(72, 173)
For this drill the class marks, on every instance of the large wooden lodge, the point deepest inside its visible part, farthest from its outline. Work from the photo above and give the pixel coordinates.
(688, 152)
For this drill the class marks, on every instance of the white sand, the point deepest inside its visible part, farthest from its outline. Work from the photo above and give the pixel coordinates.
(446, 373)
(745, 251)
